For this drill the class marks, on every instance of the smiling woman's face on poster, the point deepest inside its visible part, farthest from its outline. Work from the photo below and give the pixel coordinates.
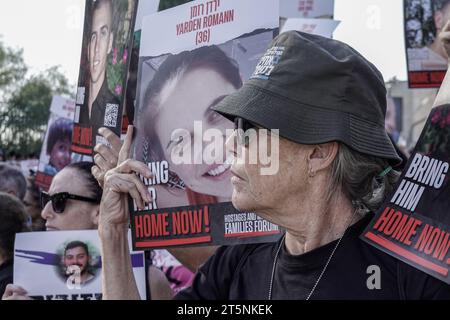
(178, 102)
(179, 136)
(191, 99)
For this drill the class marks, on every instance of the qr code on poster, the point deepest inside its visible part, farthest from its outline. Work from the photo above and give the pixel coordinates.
(111, 115)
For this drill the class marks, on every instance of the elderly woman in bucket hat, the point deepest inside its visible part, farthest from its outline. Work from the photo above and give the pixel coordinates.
(335, 168)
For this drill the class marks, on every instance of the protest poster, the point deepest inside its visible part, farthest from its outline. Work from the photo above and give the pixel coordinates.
(413, 224)
(65, 265)
(191, 57)
(107, 41)
(307, 9)
(145, 8)
(427, 60)
(55, 152)
(321, 27)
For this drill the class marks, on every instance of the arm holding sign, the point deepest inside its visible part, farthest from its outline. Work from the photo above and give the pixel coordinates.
(106, 155)
(443, 96)
(117, 275)
(106, 159)
(14, 292)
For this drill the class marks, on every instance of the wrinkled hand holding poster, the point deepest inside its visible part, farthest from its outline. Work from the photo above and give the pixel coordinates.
(107, 39)
(55, 152)
(191, 57)
(65, 265)
(427, 59)
(414, 222)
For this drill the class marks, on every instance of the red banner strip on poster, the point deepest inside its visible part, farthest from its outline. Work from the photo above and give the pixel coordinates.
(171, 242)
(81, 150)
(406, 254)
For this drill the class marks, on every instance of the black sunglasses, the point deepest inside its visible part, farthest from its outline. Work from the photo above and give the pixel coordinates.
(59, 200)
(241, 126)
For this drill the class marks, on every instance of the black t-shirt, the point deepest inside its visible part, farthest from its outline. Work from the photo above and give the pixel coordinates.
(244, 272)
(6, 275)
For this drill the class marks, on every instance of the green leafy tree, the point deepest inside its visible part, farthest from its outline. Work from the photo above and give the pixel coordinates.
(12, 71)
(25, 102)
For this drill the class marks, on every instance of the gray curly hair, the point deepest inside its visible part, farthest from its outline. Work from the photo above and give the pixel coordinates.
(358, 176)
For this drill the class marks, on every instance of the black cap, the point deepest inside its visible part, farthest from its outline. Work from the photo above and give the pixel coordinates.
(316, 90)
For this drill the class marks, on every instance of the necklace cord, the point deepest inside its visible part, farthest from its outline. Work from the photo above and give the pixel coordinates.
(272, 277)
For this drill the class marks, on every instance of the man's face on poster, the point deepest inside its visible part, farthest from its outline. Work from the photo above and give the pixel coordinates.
(100, 44)
(77, 257)
(413, 28)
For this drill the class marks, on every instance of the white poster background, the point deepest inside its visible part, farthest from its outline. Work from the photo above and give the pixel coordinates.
(307, 9)
(249, 15)
(62, 107)
(43, 279)
(321, 27)
(59, 108)
(145, 7)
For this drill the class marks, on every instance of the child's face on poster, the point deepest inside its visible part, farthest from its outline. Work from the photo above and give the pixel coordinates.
(100, 44)
(60, 155)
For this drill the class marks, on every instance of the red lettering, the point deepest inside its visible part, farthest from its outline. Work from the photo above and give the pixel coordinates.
(412, 232)
(383, 219)
(86, 137)
(419, 77)
(437, 77)
(76, 134)
(206, 219)
(442, 247)
(154, 225)
(159, 224)
(392, 223)
(189, 222)
(176, 225)
(138, 226)
(147, 230)
(424, 236)
(184, 222)
(435, 235)
(402, 229)
(195, 219)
